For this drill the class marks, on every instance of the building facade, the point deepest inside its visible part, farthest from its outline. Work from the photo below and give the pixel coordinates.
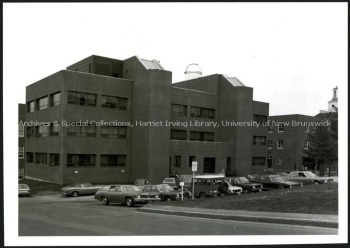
(107, 120)
(21, 139)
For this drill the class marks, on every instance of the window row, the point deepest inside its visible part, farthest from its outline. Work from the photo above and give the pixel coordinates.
(75, 160)
(116, 132)
(181, 110)
(194, 135)
(260, 161)
(78, 98)
(44, 102)
(178, 161)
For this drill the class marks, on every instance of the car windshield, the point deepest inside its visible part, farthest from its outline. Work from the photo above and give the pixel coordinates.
(276, 179)
(23, 186)
(165, 188)
(242, 180)
(309, 174)
(130, 188)
(169, 180)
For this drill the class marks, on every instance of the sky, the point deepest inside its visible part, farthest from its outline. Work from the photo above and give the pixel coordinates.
(291, 54)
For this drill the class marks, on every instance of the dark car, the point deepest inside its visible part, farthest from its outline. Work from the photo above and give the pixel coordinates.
(245, 184)
(79, 189)
(23, 190)
(274, 182)
(166, 192)
(124, 194)
(307, 177)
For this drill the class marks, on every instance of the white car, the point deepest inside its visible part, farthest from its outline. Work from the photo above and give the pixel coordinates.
(234, 190)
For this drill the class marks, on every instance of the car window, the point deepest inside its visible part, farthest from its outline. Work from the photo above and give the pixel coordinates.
(130, 188)
(23, 186)
(154, 188)
(147, 188)
(301, 174)
(112, 189)
(118, 189)
(169, 180)
(104, 189)
(87, 185)
(294, 175)
(78, 186)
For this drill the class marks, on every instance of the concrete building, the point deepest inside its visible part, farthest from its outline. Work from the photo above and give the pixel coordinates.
(21, 139)
(131, 122)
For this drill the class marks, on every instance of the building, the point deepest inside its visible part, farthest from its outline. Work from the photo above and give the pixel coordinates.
(107, 120)
(287, 139)
(332, 104)
(21, 139)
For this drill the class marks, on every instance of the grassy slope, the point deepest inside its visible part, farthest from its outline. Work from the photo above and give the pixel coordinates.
(41, 188)
(312, 199)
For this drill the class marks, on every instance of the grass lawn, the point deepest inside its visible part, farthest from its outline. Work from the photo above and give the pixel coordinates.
(310, 199)
(41, 188)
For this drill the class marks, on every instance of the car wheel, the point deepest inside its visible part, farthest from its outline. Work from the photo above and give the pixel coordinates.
(316, 182)
(105, 200)
(167, 198)
(129, 202)
(280, 187)
(202, 195)
(75, 194)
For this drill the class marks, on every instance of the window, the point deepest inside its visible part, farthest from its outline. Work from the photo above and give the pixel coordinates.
(81, 98)
(56, 99)
(30, 132)
(114, 102)
(113, 132)
(270, 128)
(279, 160)
(21, 152)
(30, 107)
(178, 110)
(190, 160)
(20, 130)
(280, 144)
(306, 144)
(178, 135)
(113, 160)
(54, 159)
(54, 130)
(42, 103)
(260, 118)
(201, 136)
(80, 160)
(177, 161)
(82, 131)
(30, 157)
(202, 112)
(41, 131)
(269, 144)
(41, 158)
(259, 140)
(258, 161)
(280, 127)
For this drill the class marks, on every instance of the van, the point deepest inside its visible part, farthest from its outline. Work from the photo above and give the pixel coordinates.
(209, 185)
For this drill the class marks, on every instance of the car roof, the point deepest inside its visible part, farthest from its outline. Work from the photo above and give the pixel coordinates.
(209, 176)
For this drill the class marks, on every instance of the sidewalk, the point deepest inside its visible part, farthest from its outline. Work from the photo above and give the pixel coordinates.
(241, 215)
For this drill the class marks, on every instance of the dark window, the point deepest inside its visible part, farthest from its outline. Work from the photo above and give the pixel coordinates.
(260, 118)
(280, 127)
(269, 144)
(259, 140)
(54, 159)
(270, 128)
(30, 157)
(113, 132)
(113, 160)
(30, 132)
(41, 158)
(190, 160)
(56, 99)
(41, 131)
(178, 135)
(42, 103)
(258, 161)
(279, 160)
(202, 112)
(80, 160)
(201, 136)
(280, 144)
(81, 98)
(177, 161)
(21, 152)
(114, 102)
(54, 129)
(30, 106)
(82, 131)
(116, 75)
(178, 110)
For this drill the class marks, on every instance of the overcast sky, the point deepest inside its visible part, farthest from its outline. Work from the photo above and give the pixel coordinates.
(292, 54)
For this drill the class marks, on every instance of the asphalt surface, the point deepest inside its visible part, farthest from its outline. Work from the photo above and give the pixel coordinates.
(84, 216)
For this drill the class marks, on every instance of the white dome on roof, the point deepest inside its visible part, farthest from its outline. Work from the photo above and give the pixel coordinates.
(193, 71)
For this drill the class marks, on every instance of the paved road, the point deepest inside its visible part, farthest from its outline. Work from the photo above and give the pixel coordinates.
(84, 216)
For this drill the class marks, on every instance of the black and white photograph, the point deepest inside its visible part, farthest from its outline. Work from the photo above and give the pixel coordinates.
(175, 124)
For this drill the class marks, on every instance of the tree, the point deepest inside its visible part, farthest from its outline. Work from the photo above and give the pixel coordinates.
(323, 142)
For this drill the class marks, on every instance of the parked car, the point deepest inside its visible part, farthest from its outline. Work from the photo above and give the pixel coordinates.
(141, 182)
(79, 189)
(23, 190)
(233, 190)
(166, 192)
(307, 177)
(274, 182)
(245, 184)
(124, 194)
(174, 182)
(209, 185)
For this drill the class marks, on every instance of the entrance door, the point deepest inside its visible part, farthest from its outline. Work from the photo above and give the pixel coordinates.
(209, 165)
(269, 161)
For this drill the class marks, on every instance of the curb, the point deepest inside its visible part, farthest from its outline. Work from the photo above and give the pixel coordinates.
(275, 220)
